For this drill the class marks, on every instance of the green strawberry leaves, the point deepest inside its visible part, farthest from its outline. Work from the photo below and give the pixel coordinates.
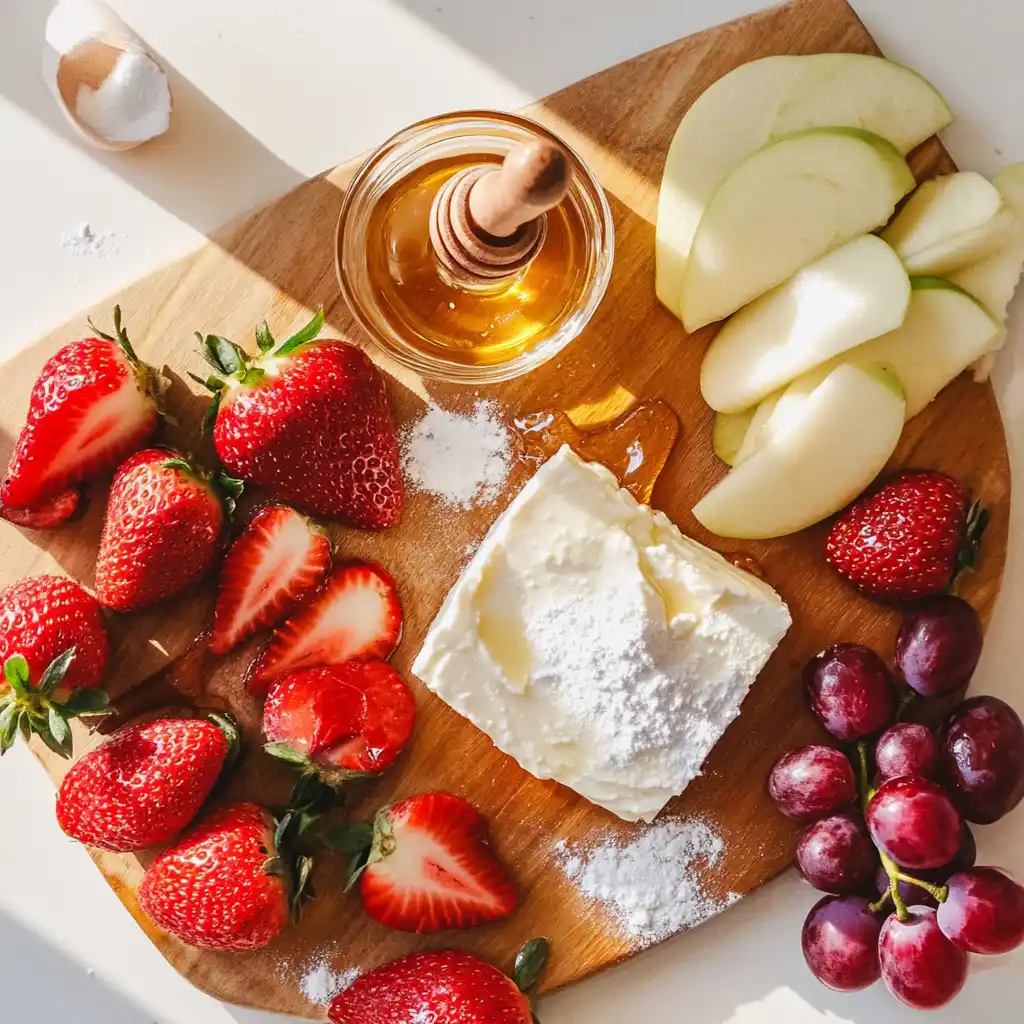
(120, 336)
(33, 711)
(230, 362)
(977, 520)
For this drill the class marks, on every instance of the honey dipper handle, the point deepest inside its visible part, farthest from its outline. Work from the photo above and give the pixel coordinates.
(533, 178)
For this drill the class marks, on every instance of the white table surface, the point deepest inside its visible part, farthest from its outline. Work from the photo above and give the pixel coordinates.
(276, 91)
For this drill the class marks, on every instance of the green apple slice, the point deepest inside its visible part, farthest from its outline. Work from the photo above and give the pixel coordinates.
(950, 222)
(945, 331)
(847, 429)
(728, 434)
(849, 296)
(784, 207)
(994, 279)
(762, 101)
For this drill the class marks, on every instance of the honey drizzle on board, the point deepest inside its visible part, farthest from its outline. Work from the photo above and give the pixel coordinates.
(635, 447)
(479, 328)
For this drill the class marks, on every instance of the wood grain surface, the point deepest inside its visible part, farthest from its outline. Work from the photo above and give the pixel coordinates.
(278, 264)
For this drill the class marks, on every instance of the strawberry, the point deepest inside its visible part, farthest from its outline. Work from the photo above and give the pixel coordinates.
(356, 614)
(93, 404)
(226, 884)
(428, 866)
(907, 540)
(146, 783)
(53, 647)
(447, 986)
(162, 529)
(278, 560)
(340, 721)
(59, 509)
(309, 421)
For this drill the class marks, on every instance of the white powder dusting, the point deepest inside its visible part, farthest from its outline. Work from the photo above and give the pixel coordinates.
(85, 240)
(651, 884)
(320, 984)
(463, 459)
(132, 104)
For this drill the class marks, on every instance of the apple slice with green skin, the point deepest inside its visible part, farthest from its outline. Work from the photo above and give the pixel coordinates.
(763, 100)
(853, 294)
(729, 432)
(945, 331)
(950, 222)
(994, 279)
(784, 207)
(846, 430)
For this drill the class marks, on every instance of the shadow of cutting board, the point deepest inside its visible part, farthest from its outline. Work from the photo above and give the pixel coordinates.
(278, 264)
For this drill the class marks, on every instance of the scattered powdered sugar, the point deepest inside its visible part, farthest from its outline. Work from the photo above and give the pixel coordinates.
(650, 885)
(462, 458)
(320, 984)
(85, 240)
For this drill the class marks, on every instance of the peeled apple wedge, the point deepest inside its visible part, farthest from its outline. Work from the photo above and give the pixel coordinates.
(847, 297)
(764, 100)
(950, 222)
(994, 279)
(945, 331)
(784, 207)
(728, 434)
(846, 430)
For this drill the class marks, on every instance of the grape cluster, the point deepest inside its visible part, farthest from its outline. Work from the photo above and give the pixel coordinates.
(888, 839)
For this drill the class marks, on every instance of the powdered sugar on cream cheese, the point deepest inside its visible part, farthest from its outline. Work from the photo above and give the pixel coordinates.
(461, 458)
(596, 644)
(651, 885)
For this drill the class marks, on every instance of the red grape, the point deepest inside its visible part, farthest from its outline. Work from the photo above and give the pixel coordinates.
(906, 749)
(912, 821)
(984, 912)
(850, 690)
(983, 758)
(938, 645)
(920, 966)
(811, 782)
(836, 855)
(910, 894)
(840, 940)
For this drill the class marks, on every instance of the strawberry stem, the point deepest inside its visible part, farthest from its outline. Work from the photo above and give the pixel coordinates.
(977, 520)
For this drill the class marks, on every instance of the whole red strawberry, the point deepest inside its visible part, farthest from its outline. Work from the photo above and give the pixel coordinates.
(93, 404)
(309, 421)
(340, 720)
(146, 783)
(224, 885)
(907, 540)
(447, 986)
(162, 531)
(53, 649)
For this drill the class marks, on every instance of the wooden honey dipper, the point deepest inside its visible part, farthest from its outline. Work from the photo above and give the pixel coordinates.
(489, 222)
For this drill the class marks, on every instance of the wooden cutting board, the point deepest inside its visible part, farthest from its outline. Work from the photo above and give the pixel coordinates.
(278, 264)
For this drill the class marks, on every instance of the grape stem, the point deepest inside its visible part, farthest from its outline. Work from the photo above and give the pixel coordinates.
(892, 869)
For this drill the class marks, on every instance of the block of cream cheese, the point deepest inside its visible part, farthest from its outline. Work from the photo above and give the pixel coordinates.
(596, 644)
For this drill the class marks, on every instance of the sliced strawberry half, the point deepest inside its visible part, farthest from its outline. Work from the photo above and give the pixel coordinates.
(277, 561)
(430, 868)
(59, 509)
(93, 404)
(356, 614)
(340, 720)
